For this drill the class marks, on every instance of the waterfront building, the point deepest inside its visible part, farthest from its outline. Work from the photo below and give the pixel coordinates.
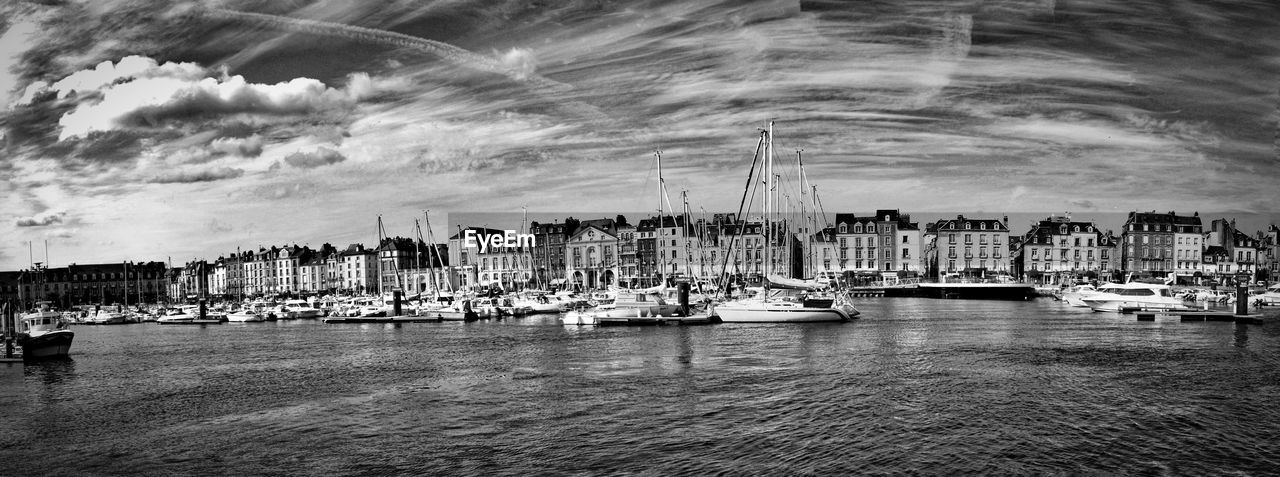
(1058, 250)
(969, 246)
(311, 273)
(821, 261)
(218, 278)
(1239, 252)
(647, 252)
(286, 269)
(359, 269)
(881, 246)
(593, 255)
(548, 258)
(628, 265)
(82, 284)
(1269, 263)
(1148, 240)
(508, 268)
(1188, 245)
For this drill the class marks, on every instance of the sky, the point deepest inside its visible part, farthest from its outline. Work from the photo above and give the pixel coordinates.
(160, 130)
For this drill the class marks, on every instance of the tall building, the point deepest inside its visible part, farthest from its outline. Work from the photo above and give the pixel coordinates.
(1148, 242)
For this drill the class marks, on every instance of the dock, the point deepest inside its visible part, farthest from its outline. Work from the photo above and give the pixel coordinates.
(1193, 315)
(701, 319)
(381, 319)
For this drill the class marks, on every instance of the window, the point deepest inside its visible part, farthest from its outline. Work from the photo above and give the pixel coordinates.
(904, 239)
(951, 238)
(843, 228)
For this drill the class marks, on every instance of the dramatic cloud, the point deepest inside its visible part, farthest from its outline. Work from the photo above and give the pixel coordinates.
(248, 147)
(314, 159)
(930, 105)
(42, 219)
(197, 174)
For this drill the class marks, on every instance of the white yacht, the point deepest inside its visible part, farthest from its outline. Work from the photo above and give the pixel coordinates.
(1270, 297)
(1075, 295)
(1136, 295)
(300, 309)
(788, 301)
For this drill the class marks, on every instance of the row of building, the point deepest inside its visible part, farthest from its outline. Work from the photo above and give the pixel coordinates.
(597, 253)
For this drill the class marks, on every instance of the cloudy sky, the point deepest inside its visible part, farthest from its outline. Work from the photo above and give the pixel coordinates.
(146, 129)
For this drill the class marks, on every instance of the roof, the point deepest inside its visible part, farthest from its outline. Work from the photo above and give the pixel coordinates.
(964, 223)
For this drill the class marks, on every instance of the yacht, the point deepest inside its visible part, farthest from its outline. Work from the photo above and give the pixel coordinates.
(43, 333)
(1075, 295)
(300, 309)
(1271, 296)
(788, 301)
(1142, 296)
(642, 303)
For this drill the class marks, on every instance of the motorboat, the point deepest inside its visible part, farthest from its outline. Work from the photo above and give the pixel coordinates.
(190, 314)
(1075, 295)
(245, 314)
(788, 301)
(543, 304)
(1269, 297)
(43, 333)
(1134, 295)
(300, 309)
(107, 317)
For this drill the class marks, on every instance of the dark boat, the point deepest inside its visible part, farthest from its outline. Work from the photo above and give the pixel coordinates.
(43, 333)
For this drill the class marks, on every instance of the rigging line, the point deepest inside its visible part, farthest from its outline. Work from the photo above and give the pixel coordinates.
(747, 191)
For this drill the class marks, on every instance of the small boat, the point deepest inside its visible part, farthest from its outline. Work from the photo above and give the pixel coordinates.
(1075, 295)
(461, 310)
(43, 333)
(190, 315)
(245, 315)
(106, 317)
(299, 309)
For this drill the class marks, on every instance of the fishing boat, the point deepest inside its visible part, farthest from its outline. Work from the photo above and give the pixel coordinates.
(43, 333)
(788, 301)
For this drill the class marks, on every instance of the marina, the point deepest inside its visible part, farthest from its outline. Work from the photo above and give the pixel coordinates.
(1047, 384)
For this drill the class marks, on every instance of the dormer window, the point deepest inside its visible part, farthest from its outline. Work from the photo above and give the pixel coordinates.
(857, 228)
(886, 218)
(983, 226)
(844, 228)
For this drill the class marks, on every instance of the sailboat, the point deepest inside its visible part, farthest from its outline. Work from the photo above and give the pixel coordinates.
(783, 300)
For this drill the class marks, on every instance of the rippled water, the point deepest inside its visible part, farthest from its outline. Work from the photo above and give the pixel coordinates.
(915, 386)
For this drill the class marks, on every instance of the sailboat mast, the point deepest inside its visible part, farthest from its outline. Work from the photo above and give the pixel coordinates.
(661, 260)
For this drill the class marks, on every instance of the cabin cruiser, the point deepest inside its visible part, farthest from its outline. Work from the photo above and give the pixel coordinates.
(299, 309)
(43, 333)
(105, 316)
(642, 303)
(1075, 295)
(788, 301)
(1137, 295)
(1270, 297)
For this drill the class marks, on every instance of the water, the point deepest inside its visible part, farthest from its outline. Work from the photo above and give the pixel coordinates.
(915, 386)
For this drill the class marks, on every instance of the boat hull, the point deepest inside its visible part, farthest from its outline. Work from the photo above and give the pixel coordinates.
(730, 313)
(244, 317)
(54, 344)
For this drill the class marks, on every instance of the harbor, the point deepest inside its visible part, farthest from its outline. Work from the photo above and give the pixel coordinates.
(1056, 386)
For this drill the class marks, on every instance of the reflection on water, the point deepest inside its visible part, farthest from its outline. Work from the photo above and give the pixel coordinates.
(915, 386)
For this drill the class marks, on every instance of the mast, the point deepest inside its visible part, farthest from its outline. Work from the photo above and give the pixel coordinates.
(126, 284)
(378, 251)
(660, 260)
(743, 207)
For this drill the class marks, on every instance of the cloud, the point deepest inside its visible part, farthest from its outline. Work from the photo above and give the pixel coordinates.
(197, 174)
(42, 219)
(128, 68)
(247, 147)
(148, 102)
(314, 159)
